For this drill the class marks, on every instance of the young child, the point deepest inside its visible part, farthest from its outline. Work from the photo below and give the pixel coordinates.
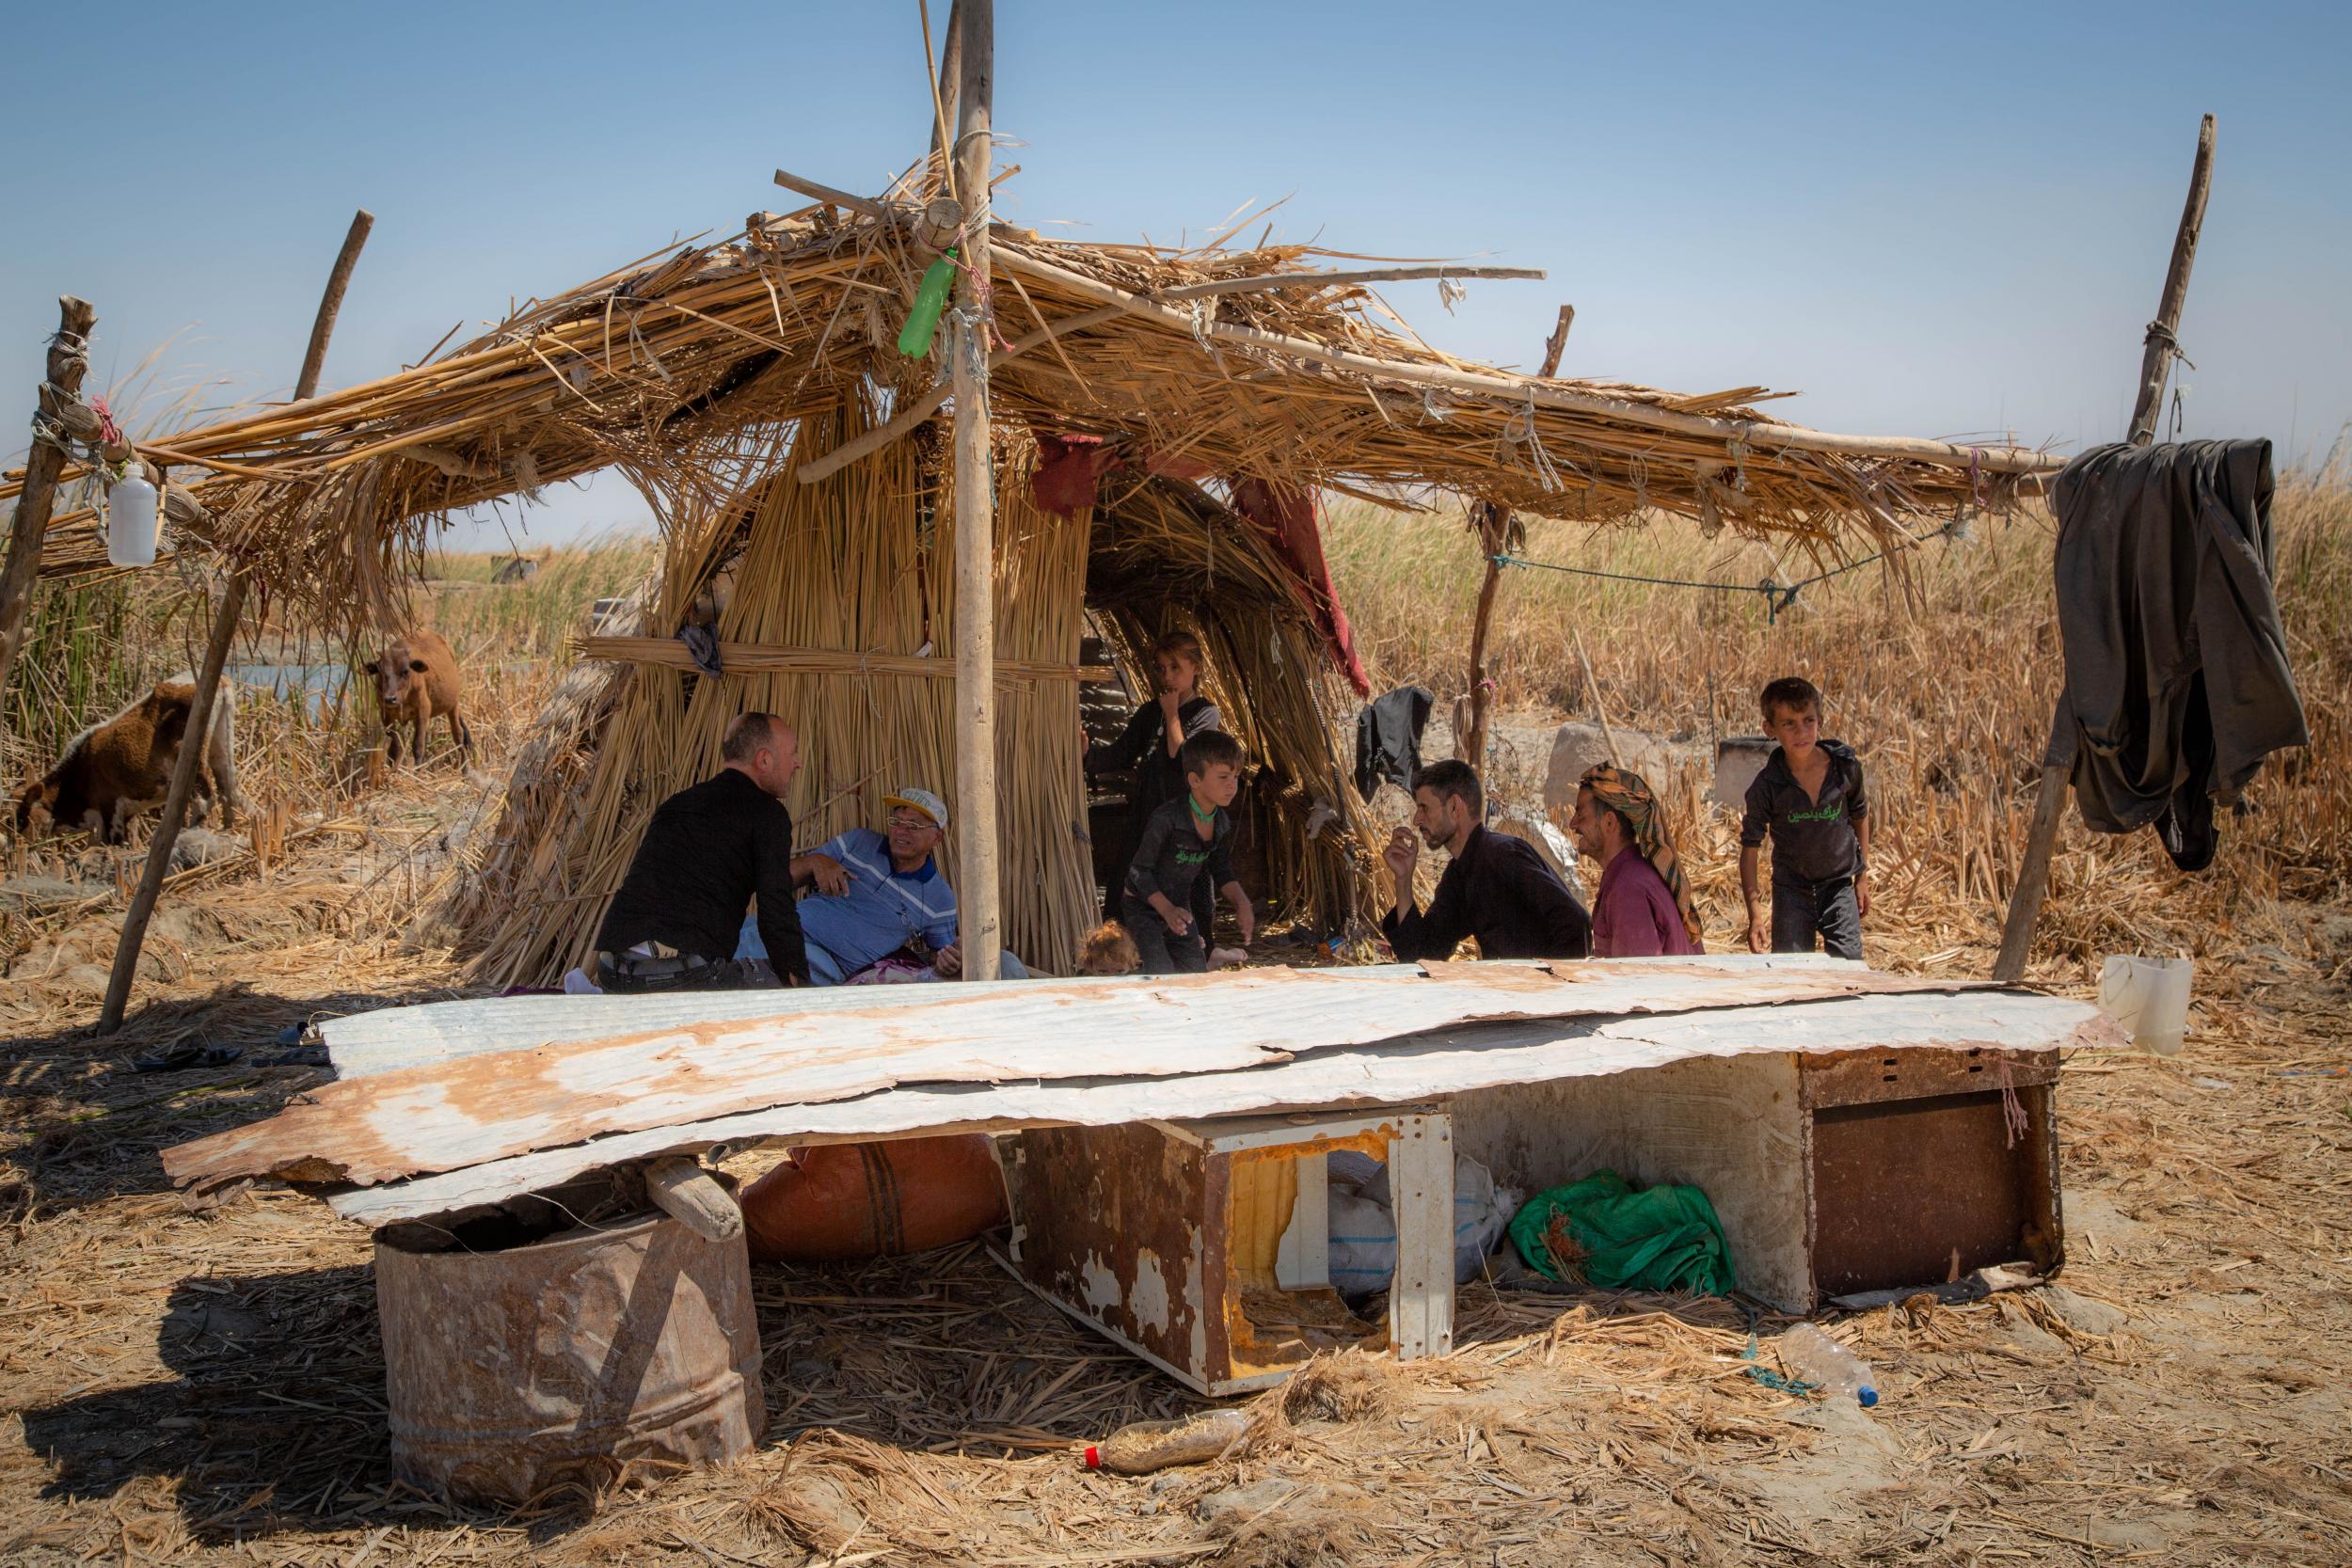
(1146, 750)
(1809, 797)
(1187, 844)
(1107, 950)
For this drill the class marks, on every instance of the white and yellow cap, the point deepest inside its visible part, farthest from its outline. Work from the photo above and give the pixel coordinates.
(923, 801)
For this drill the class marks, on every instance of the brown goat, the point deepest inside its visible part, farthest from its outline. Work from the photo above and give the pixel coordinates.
(417, 681)
(121, 766)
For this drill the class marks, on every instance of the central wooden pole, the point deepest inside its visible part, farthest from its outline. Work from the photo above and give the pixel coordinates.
(972, 29)
(223, 632)
(2057, 766)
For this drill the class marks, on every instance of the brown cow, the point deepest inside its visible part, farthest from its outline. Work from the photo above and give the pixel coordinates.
(121, 768)
(417, 681)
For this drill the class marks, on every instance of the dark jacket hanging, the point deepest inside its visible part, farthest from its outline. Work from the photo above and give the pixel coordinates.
(2177, 678)
(1387, 738)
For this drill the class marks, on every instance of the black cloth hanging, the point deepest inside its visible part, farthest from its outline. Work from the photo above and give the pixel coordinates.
(2177, 678)
(1387, 738)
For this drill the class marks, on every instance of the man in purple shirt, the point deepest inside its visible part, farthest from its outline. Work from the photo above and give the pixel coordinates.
(1643, 909)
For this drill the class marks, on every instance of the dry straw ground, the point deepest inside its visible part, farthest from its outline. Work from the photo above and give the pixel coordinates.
(206, 1386)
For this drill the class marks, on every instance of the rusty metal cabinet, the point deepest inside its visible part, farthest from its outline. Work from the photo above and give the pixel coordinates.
(1200, 1246)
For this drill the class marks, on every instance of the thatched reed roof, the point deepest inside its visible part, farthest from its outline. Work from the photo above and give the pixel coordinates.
(684, 368)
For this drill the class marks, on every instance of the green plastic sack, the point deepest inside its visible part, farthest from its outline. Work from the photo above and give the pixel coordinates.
(1664, 1239)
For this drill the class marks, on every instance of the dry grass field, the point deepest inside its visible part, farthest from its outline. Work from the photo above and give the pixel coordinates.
(205, 1384)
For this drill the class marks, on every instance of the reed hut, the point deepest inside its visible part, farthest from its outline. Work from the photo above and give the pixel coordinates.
(1164, 423)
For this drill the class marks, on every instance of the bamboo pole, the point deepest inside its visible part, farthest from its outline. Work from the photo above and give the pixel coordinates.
(2057, 767)
(60, 387)
(196, 742)
(980, 935)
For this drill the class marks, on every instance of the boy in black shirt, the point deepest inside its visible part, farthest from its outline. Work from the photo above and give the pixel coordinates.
(1809, 797)
(1187, 844)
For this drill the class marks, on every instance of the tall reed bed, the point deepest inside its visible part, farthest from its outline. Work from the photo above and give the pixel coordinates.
(1941, 671)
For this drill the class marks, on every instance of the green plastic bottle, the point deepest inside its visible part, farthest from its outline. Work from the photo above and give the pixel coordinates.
(914, 338)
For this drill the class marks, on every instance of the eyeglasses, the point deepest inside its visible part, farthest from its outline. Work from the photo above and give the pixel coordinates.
(900, 820)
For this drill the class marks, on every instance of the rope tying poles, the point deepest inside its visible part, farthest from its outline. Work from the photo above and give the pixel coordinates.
(1777, 596)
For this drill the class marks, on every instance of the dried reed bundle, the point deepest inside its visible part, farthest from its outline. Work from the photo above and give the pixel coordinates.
(851, 566)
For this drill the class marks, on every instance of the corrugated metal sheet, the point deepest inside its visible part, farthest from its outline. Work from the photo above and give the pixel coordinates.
(1393, 1073)
(469, 1109)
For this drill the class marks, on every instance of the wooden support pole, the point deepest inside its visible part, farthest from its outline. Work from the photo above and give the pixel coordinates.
(194, 746)
(1492, 524)
(60, 388)
(2057, 769)
(980, 935)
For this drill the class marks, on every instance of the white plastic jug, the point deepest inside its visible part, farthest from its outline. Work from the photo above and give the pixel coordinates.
(132, 523)
(2148, 997)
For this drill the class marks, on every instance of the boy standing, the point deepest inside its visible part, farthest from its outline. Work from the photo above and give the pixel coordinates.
(1809, 797)
(1187, 845)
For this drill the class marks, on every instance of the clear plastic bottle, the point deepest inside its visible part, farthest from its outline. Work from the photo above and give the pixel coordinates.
(1815, 1357)
(1148, 1446)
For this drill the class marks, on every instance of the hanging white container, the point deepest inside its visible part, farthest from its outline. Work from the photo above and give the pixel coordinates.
(133, 519)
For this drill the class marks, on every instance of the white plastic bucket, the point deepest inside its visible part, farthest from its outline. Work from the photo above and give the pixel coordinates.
(2148, 997)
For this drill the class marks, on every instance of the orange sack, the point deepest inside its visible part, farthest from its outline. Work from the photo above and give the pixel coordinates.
(837, 1202)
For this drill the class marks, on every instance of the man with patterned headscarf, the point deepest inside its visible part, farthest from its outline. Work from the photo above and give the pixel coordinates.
(1642, 908)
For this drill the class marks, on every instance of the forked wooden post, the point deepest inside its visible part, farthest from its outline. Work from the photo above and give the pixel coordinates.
(29, 525)
(2058, 771)
(1492, 524)
(973, 26)
(223, 632)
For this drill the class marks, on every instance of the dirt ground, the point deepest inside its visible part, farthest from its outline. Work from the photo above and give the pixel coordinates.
(205, 1384)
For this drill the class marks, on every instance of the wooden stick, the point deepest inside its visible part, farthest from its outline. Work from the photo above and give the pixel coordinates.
(1557, 343)
(1592, 685)
(2162, 347)
(753, 657)
(1493, 525)
(1260, 282)
(2057, 769)
(680, 1188)
(981, 925)
(1490, 519)
(198, 739)
(28, 525)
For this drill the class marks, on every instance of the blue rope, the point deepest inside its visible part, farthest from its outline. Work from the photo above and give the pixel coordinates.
(1772, 1379)
(1777, 596)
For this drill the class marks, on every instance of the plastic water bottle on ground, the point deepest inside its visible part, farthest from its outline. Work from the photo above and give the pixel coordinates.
(1815, 1357)
(1148, 1446)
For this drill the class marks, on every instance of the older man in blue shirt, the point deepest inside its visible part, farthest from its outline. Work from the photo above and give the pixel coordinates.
(877, 892)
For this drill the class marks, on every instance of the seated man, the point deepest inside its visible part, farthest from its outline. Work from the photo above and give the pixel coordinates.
(1643, 908)
(1497, 889)
(879, 893)
(708, 850)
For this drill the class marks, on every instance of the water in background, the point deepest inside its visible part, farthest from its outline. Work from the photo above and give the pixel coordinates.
(320, 686)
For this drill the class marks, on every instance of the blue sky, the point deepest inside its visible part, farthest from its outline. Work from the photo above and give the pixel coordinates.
(1927, 221)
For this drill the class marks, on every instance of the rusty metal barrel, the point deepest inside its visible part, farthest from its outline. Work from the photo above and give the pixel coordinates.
(566, 1358)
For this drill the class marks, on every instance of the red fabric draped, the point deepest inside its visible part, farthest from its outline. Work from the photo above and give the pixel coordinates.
(1286, 514)
(1070, 466)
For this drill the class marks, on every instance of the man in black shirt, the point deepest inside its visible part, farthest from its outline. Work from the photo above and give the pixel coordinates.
(1497, 888)
(675, 921)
